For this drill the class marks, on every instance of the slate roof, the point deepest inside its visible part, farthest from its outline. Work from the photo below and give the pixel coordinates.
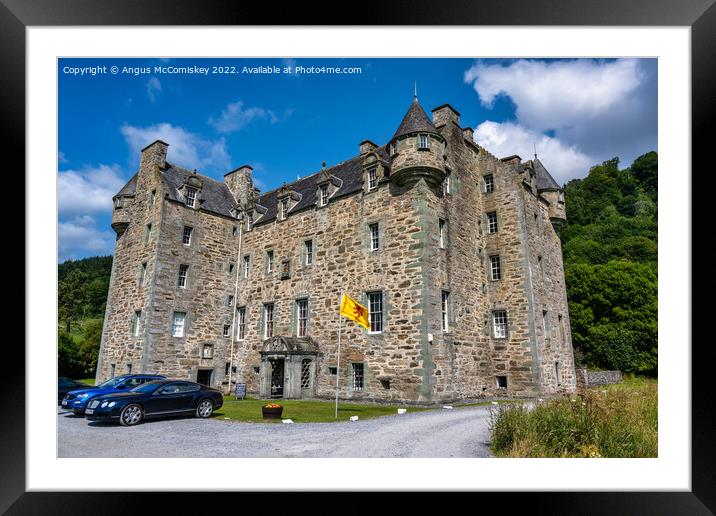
(545, 181)
(214, 196)
(350, 172)
(415, 121)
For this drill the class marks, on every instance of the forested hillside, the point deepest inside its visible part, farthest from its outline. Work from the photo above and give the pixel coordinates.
(81, 297)
(610, 259)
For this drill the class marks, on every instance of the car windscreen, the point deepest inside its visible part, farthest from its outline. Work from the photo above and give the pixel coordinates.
(146, 387)
(112, 382)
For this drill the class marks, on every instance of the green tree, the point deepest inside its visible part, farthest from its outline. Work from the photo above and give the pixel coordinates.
(88, 350)
(71, 298)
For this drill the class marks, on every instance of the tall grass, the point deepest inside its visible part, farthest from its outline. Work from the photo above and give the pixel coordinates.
(617, 421)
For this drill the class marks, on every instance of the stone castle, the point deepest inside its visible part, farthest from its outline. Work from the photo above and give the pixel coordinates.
(455, 253)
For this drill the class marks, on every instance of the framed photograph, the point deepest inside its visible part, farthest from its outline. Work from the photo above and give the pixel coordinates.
(189, 152)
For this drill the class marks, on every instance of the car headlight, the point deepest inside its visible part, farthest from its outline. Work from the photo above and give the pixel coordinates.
(112, 404)
(104, 404)
(82, 396)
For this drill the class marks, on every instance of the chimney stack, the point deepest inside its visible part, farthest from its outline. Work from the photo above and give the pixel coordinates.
(367, 146)
(445, 114)
(154, 154)
(240, 182)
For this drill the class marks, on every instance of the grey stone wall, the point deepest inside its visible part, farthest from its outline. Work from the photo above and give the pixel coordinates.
(587, 378)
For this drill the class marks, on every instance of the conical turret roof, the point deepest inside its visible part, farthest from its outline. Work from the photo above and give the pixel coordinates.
(545, 181)
(415, 121)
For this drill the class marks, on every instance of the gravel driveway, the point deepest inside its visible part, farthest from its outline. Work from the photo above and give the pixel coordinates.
(460, 432)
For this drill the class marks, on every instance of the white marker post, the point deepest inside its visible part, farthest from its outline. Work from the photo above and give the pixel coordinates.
(338, 362)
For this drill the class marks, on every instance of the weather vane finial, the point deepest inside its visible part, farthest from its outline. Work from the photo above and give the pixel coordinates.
(415, 90)
(535, 148)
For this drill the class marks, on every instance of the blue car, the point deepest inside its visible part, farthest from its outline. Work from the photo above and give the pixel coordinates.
(77, 399)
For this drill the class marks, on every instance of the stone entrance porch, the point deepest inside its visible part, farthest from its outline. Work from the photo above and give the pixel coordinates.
(288, 367)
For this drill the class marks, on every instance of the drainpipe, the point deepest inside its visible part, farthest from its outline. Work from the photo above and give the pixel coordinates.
(236, 298)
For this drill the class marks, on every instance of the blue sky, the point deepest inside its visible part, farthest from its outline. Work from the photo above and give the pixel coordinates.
(576, 112)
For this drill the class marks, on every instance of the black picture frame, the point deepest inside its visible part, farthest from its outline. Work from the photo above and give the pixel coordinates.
(699, 15)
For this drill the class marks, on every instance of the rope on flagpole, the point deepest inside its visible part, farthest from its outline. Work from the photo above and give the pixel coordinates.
(338, 362)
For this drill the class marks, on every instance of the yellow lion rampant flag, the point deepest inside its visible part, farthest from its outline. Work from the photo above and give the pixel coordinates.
(355, 311)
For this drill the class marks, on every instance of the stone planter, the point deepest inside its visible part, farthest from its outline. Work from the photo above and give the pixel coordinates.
(271, 412)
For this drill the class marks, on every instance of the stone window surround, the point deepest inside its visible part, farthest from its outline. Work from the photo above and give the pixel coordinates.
(241, 312)
(358, 376)
(291, 199)
(506, 322)
(493, 222)
(298, 303)
(374, 236)
(445, 311)
(367, 302)
(187, 234)
(268, 308)
(332, 185)
(488, 185)
(207, 346)
(446, 182)
(305, 255)
(183, 276)
(227, 331)
(135, 329)
(270, 259)
(423, 142)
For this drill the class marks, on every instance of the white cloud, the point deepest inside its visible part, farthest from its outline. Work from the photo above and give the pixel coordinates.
(89, 190)
(235, 117)
(590, 109)
(154, 87)
(505, 139)
(61, 158)
(79, 237)
(185, 149)
(557, 94)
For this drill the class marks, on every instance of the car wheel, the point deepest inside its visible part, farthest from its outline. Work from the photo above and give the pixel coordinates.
(205, 408)
(131, 415)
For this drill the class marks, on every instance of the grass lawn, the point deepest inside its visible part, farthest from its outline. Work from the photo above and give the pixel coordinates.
(305, 411)
(88, 381)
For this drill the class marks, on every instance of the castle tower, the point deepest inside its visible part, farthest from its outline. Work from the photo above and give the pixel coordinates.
(417, 150)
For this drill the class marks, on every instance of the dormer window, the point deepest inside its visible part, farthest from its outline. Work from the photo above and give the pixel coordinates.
(284, 209)
(249, 220)
(324, 195)
(423, 141)
(372, 178)
(190, 196)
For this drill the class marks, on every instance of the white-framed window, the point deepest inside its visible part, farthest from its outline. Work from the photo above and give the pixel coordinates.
(489, 182)
(143, 275)
(374, 236)
(190, 196)
(240, 323)
(499, 324)
(136, 323)
(284, 209)
(324, 195)
(308, 249)
(358, 376)
(249, 220)
(269, 262)
(302, 317)
(446, 182)
(372, 178)
(442, 230)
(423, 141)
(492, 222)
(207, 351)
(375, 311)
(186, 235)
(178, 324)
(495, 267)
(445, 305)
(183, 273)
(227, 330)
(268, 320)
(247, 262)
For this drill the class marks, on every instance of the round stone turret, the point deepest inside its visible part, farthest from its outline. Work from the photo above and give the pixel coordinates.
(417, 150)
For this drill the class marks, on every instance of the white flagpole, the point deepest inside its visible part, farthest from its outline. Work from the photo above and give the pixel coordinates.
(338, 362)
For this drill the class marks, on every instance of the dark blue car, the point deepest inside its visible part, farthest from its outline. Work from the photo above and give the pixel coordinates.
(155, 399)
(77, 399)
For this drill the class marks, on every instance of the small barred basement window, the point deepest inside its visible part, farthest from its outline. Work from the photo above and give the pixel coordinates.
(501, 382)
(357, 377)
(305, 374)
